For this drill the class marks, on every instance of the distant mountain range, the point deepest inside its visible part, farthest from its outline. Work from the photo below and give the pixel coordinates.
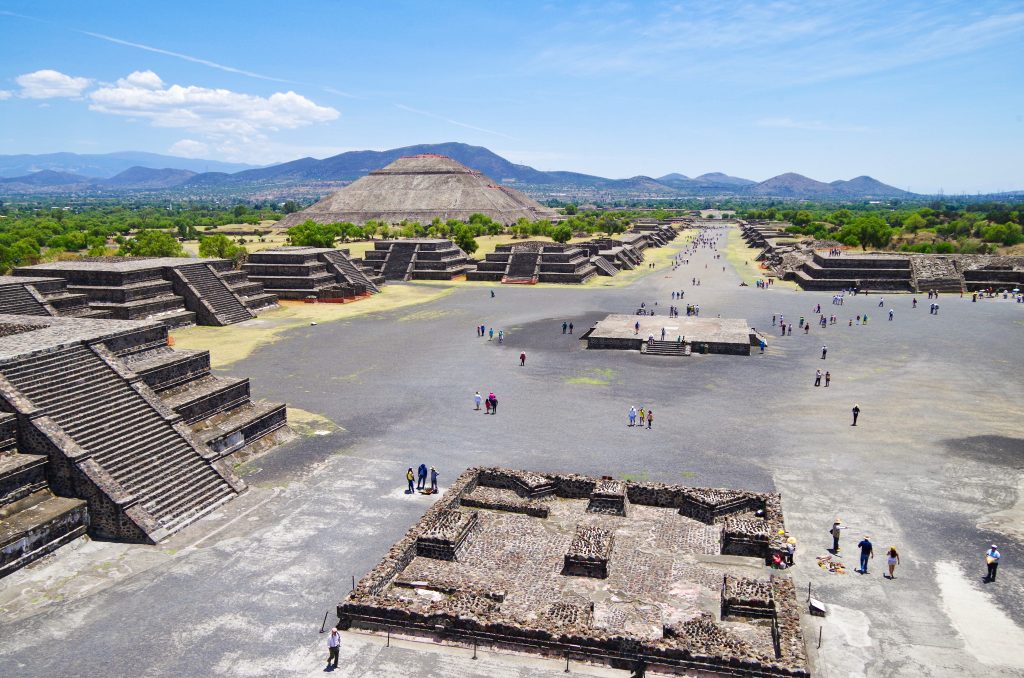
(147, 172)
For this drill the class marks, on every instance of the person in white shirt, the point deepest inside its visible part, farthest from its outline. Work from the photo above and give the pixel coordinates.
(333, 643)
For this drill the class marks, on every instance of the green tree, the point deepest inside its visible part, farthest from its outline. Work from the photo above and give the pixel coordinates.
(561, 233)
(570, 209)
(151, 243)
(465, 240)
(219, 246)
(311, 234)
(289, 207)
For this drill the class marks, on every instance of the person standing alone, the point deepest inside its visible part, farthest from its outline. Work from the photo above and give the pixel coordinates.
(867, 550)
(992, 562)
(333, 644)
(836, 530)
(522, 359)
(856, 413)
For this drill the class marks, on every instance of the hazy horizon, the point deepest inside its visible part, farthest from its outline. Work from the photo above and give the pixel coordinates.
(926, 97)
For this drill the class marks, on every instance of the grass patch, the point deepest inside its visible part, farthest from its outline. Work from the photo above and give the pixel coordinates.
(742, 257)
(593, 376)
(228, 345)
(310, 424)
(638, 477)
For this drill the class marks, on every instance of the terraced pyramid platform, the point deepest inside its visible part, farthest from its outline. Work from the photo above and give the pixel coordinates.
(175, 291)
(118, 419)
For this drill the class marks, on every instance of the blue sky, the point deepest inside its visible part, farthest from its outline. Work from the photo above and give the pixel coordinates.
(922, 95)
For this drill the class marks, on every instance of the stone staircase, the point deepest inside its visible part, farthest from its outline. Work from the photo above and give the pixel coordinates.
(657, 347)
(349, 271)
(225, 306)
(33, 522)
(523, 267)
(398, 261)
(16, 299)
(603, 266)
(125, 433)
(935, 273)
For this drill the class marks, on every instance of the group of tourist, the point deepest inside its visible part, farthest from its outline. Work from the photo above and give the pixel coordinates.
(491, 401)
(421, 480)
(644, 416)
(489, 333)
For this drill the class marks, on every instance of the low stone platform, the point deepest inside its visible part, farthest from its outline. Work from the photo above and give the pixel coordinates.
(690, 333)
(647, 587)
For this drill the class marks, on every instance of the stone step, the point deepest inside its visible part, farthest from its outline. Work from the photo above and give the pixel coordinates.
(40, 529)
(259, 301)
(165, 368)
(206, 396)
(228, 432)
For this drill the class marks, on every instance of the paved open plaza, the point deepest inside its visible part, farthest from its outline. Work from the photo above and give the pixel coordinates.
(934, 467)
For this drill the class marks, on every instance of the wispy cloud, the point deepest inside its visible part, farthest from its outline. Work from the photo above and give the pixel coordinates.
(466, 125)
(811, 125)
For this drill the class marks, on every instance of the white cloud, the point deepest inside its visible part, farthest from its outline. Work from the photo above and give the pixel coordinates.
(49, 84)
(189, 148)
(812, 125)
(141, 79)
(5, 94)
(218, 112)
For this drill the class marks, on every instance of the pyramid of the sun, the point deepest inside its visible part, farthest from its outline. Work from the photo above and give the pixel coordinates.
(422, 188)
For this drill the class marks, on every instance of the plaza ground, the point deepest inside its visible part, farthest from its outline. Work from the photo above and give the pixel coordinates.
(935, 467)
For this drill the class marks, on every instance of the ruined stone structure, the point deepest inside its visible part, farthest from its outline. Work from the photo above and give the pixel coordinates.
(174, 291)
(303, 272)
(104, 414)
(683, 336)
(417, 259)
(48, 296)
(422, 188)
(533, 261)
(804, 263)
(617, 253)
(621, 573)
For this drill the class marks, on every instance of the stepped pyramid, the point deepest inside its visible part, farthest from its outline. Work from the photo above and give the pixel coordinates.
(422, 188)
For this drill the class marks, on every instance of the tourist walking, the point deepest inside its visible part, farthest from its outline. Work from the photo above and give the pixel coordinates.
(867, 551)
(494, 403)
(477, 398)
(856, 413)
(828, 378)
(890, 315)
(650, 418)
(490, 334)
(565, 326)
(817, 378)
(433, 479)
(487, 405)
(836, 531)
(992, 563)
(570, 328)
(892, 559)
(421, 477)
(643, 415)
(632, 416)
(410, 477)
(522, 359)
(333, 644)
(824, 351)
(636, 327)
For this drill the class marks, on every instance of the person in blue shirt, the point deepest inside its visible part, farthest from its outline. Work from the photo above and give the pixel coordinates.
(421, 477)
(992, 561)
(866, 551)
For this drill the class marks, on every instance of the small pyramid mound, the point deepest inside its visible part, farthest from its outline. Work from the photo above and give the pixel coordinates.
(422, 188)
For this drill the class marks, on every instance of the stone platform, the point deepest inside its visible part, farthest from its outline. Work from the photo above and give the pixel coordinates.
(690, 333)
(645, 587)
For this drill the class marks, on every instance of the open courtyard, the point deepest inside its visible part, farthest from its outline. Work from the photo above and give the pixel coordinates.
(935, 467)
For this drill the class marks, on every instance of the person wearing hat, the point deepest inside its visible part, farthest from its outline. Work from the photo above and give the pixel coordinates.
(992, 561)
(867, 550)
(790, 549)
(836, 530)
(433, 479)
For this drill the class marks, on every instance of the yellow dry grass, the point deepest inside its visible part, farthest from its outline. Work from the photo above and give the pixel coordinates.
(742, 257)
(230, 344)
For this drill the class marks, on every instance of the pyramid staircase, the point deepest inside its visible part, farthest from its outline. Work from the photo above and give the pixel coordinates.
(604, 267)
(523, 268)
(217, 303)
(16, 299)
(163, 479)
(349, 271)
(399, 261)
